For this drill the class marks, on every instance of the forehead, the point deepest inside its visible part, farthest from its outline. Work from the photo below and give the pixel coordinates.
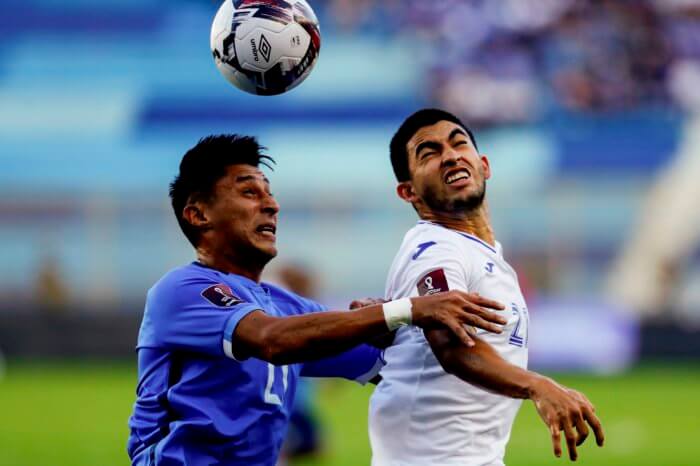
(240, 173)
(438, 132)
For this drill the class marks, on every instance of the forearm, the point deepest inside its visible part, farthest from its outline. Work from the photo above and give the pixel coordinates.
(482, 366)
(306, 337)
(561, 408)
(286, 340)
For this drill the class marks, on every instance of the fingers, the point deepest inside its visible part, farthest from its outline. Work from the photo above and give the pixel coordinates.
(478, 317)
(570, 439)
(556, 439)
(582, 430)
(488, 315)
(481, 312)
(479, 300)
(594, 422)
(476, 321)
(588, 414)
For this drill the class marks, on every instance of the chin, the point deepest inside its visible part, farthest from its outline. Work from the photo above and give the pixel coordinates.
(268, 251)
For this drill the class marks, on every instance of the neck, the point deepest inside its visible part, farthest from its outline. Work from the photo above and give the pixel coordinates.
(474, 222)
(230, 263)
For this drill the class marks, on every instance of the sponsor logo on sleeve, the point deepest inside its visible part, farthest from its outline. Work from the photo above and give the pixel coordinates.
(433, 282)
(221, 295)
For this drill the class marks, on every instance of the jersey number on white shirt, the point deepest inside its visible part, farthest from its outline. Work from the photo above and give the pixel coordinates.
(519, 335)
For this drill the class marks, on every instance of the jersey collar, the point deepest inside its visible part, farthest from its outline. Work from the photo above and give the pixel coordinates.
(498, 250)
(243, 280)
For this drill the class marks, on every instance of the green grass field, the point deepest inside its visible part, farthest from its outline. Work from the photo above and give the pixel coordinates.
(75, 415)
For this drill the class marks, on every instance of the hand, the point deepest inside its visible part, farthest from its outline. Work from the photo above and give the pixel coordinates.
(454, 310)
(358, 303)
(562, 408)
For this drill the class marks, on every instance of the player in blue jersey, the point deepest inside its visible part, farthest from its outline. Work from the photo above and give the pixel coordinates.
(219, 352)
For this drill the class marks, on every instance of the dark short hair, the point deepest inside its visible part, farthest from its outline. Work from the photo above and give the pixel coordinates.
(204, 165)
(420, 119)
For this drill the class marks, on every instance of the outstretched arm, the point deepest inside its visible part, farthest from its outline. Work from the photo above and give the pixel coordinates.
(286, 340)
(559, 407)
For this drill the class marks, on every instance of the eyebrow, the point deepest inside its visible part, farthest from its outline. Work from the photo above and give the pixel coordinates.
(427, 145)
(456, 132)
(436, 145)
(244, 178)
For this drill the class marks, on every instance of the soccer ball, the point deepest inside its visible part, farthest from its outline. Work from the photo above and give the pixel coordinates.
(265, 47)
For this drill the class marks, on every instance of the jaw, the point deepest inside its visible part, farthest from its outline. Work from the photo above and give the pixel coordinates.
(451, 199)
(265, 244)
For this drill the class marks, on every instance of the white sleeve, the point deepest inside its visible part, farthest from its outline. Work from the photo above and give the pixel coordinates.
(440, 267)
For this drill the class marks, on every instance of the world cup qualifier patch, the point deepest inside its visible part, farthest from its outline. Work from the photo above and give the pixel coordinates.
(221, 295)
(433, 282)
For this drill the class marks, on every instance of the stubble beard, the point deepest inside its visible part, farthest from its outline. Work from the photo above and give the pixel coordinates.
(455, 206)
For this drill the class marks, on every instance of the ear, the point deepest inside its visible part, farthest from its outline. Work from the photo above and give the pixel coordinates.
(195, 214)
(406, 192)
(486, 166)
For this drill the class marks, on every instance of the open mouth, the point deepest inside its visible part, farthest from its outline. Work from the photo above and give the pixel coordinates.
(454, 176)
(267, 229)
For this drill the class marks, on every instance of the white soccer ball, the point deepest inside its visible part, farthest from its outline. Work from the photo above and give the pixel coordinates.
(265, 47)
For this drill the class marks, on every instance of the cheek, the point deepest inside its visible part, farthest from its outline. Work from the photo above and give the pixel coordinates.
(428, 173)
(234, 220)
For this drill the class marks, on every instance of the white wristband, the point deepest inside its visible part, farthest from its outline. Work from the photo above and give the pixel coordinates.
(398, 313)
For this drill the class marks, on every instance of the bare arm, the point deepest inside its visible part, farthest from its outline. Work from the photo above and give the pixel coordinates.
(286, 340)
(559, 407)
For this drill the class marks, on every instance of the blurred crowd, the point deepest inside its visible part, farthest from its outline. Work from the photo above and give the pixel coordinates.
(502, 61)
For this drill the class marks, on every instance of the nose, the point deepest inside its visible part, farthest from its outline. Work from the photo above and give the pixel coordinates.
(270, 205)
(450, 157)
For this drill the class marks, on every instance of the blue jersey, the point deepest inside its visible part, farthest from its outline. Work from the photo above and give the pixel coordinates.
(196, 404)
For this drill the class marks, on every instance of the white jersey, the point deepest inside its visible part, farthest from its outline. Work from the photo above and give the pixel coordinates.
(419, 414)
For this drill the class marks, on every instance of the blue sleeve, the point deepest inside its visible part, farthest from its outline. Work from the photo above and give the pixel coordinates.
(292, 304)
(192, 314)
(362, 364)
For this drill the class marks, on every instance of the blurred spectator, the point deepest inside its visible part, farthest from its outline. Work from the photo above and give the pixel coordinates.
(50, 293)
(498, 59)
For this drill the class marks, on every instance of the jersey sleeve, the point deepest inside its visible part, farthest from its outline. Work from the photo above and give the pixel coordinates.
(293, 304)
(440, 267)
(360, 364)
(194, 314)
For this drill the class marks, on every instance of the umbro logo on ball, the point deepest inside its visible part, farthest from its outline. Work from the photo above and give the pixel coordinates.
(265, 47)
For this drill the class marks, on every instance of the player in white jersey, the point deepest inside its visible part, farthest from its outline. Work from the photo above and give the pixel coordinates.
(421, 413)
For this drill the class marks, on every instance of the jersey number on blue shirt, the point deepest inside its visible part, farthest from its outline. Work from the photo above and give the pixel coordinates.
(271, 397)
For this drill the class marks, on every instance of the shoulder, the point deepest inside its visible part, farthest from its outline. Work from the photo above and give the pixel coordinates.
(180, 277)
(292, 303)
(426, 241)
(434, 259)
(186, 285)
